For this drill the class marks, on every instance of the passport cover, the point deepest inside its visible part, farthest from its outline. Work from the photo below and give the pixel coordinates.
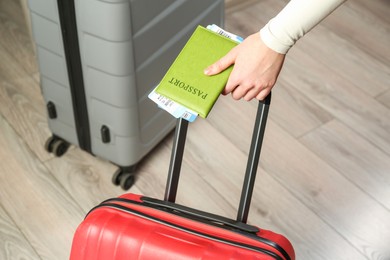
(185, 82)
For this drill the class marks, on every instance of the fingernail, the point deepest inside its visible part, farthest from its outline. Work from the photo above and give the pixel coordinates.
(207, 71)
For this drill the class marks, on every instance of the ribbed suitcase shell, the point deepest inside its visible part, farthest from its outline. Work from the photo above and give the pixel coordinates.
(126, 47)
(110, 233)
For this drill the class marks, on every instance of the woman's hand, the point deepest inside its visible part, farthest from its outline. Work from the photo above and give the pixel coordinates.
(256, 69)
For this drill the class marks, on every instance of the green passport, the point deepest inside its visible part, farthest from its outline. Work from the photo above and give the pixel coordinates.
(185, 82)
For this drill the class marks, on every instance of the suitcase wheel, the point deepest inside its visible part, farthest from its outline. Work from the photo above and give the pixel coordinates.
(123, 179)
(56, 145)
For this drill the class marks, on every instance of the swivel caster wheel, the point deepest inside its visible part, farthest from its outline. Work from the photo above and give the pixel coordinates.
(123, 179)
(116, 177)
(127, 181)
(56, 146)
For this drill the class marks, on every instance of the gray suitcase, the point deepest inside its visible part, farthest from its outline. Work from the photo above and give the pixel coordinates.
(98, 61)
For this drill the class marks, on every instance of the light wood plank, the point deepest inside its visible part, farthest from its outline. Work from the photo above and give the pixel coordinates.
(87, 179)
(232, 6)
(296, 113)
(341, 98)
(12, 11)
(365, 28)
(23, 107)
(385, 99)
(344, 58)
(251, 18)
(13, 245)
(379, 8)
(312, 237)
(354, 157)
(34, 200)
(15, 37)
(235, 120)
(27, 18)
(9, 69)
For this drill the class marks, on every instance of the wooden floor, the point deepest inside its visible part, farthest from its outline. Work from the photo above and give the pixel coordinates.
(324, 179)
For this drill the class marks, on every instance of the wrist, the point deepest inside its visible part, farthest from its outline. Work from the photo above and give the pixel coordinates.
(272, 42)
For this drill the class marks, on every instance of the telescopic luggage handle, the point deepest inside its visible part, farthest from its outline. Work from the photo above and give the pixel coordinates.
(251, 169)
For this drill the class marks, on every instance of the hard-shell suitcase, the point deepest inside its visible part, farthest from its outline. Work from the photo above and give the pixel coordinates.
(139, 227)
(98, 60)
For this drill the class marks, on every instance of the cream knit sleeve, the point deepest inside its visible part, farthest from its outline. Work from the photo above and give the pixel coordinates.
(296, 19)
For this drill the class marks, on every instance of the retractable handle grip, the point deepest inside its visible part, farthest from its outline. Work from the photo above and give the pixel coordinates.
(251, 169)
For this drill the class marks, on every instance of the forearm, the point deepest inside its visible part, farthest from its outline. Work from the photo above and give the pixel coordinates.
(296, 19)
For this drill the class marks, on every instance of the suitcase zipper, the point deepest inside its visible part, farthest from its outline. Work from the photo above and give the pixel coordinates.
(67, 15)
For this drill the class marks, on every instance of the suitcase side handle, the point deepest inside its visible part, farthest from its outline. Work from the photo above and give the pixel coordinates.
(251, 169)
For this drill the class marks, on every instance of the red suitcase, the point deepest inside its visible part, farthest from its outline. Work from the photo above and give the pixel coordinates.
(138, 227)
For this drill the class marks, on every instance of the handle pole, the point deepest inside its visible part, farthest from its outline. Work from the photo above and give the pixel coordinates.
(253, 159)
(176, 160)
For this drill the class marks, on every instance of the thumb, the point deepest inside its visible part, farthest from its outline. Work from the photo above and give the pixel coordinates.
(222, 64)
